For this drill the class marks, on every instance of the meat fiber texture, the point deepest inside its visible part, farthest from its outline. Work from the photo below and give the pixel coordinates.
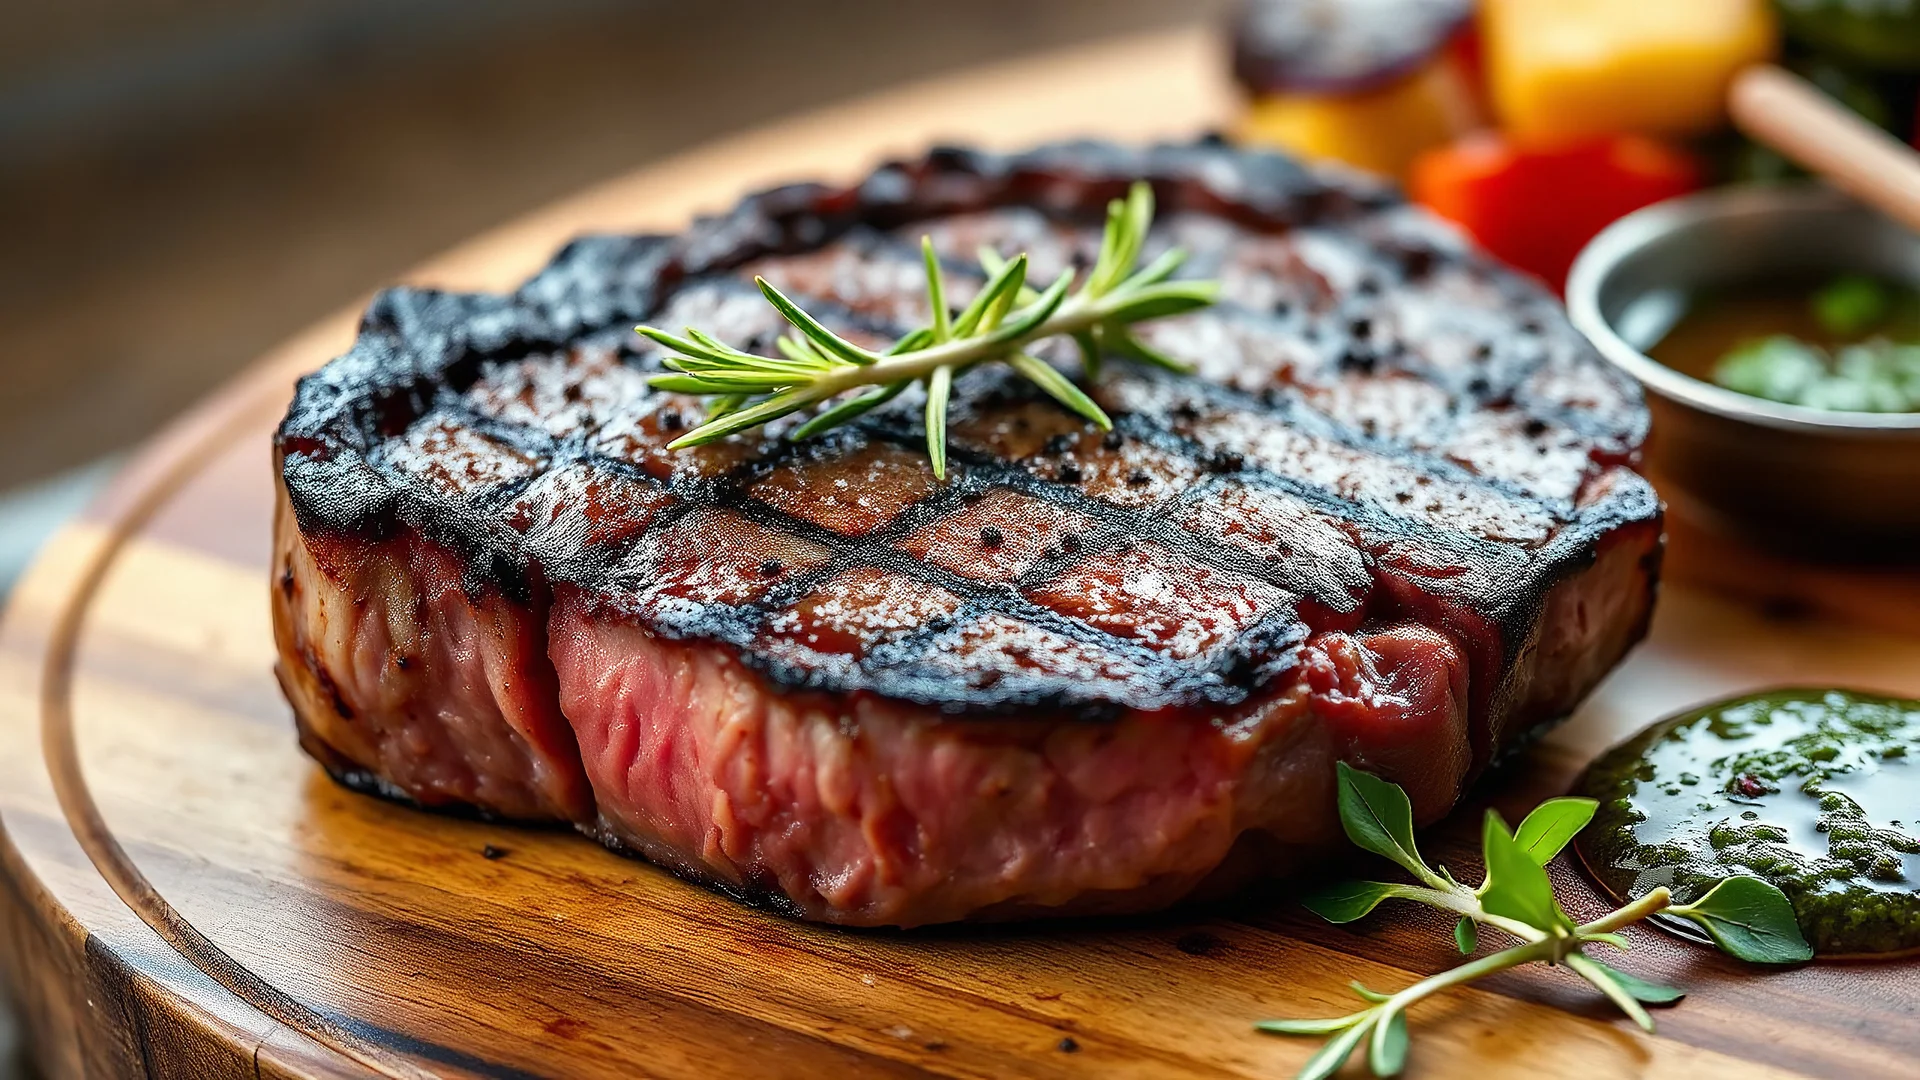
(1392, 519)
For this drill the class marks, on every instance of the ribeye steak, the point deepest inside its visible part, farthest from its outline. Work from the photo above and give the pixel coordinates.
(1393, 519)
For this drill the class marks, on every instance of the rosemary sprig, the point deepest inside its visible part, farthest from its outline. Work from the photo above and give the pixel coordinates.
(1748, 918)
(1002, 323)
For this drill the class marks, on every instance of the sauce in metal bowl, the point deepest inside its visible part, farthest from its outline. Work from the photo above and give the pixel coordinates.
(1850, 344)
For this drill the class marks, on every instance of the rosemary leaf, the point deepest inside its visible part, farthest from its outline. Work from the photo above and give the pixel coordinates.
(797, 350)
(1129, 345)
(1044, 375)
(696, 365)
(719, 348)
(1089, 345)
(845, 411)
(752, 416)
(1031, 317)
(991, 262)
(936, 293)
(727, 383)
(1110, 243)
(1005, 280)
(913, 342)
(669, 341)
(1167, 299)
(826, 340)
(939, 386)
(1127, 220)
(1157, 271)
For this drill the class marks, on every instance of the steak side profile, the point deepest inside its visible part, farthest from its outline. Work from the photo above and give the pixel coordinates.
(1391, 519)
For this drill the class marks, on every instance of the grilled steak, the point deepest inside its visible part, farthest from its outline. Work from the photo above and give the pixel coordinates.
(1393, 519)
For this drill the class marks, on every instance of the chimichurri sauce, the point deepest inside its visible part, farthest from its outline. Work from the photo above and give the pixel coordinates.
(1849, 345)
(1816, 791)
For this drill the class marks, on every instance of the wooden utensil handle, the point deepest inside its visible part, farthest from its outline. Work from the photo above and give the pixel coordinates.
(1784, 111)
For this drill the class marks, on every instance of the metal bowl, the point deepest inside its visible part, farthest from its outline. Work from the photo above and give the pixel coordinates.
(1807, 482)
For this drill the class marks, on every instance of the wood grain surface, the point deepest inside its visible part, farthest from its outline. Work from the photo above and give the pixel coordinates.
(184, 894)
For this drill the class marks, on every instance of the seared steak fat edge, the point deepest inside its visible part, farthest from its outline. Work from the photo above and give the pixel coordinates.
(1393, 519)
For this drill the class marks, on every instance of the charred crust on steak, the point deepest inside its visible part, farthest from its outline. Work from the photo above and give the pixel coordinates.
(1374, 398)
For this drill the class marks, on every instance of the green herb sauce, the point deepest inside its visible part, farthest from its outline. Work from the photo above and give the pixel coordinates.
(1850, 345)
(1816, 791)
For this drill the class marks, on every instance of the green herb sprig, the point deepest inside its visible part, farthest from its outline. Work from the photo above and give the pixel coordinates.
(1002, 323)
(1748, 918)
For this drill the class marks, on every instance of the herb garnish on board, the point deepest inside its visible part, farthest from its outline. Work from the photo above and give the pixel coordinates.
(1748, 918)
(1002, 323)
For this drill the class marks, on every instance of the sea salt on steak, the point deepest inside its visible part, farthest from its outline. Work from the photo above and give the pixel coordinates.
(1392, 520)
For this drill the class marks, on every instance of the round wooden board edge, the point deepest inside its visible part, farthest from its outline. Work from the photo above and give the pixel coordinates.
(60, 970)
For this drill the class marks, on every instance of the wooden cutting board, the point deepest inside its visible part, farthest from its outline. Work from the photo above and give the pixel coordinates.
(184, 894)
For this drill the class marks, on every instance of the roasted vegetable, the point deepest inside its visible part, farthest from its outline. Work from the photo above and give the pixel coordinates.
(1380, 129)
(1561, 70)
(1369, 83)
(1537, 207)
(1323, 47)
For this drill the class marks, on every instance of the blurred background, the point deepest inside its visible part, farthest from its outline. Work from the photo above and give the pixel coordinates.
(184, 183)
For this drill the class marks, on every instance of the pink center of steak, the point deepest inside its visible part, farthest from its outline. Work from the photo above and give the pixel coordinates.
(866, 811)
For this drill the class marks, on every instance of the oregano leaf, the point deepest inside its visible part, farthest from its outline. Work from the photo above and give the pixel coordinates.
(1749, 919)
(1327, 1060)
(1345, 901)
(1615, 940)
(1377, 816)
(1387, 1050)
(1365, 994)
(1552, 825)
(1466, 935)
(1652, 993)
(1603, 978)
(1309, 1027)
(1516, 886)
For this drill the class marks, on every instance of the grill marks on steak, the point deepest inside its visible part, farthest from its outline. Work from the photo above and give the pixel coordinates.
(1392, 521)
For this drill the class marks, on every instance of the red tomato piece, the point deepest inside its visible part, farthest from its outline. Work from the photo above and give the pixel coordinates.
(1536, 207)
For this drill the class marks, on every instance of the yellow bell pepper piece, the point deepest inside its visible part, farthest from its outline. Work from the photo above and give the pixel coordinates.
(1567, 69)
(1380, 129)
